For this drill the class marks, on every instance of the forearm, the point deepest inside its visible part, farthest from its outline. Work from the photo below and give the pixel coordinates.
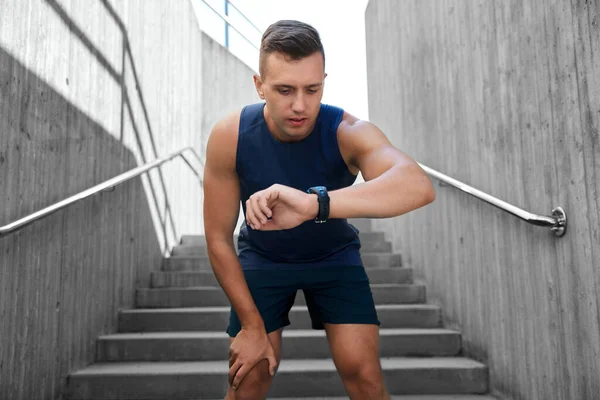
(228, 272)
(397, 191)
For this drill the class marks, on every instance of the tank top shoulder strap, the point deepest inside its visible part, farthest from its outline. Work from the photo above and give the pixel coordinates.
(250, 117)
(331, 116)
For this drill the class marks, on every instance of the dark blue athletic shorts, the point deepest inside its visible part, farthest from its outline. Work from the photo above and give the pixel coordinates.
(336, 295)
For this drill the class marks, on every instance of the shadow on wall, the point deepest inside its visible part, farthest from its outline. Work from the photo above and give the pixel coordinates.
(165, 215)
(63, 278)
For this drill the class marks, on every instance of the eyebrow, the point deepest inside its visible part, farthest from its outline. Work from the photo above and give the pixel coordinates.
(283, 85)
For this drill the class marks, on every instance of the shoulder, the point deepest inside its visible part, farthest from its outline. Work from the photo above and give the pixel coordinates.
(226, 129)
(223, 138)
(356, 136)
(331, 115)
(354, 131)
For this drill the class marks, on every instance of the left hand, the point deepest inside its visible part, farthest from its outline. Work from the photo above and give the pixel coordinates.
(287, 207)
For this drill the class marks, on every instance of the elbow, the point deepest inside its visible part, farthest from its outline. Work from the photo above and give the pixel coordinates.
(417, 192)
(429, 195)
(424, 193)
(424, 190)
(217, 245)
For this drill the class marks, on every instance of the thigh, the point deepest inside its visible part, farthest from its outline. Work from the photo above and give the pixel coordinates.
(340, 295)
(355, 350)
(273, 293)
(257, 382)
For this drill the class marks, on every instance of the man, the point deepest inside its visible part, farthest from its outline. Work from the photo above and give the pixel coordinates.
(292, 162)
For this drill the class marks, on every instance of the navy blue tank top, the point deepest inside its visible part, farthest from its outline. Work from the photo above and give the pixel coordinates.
(262, 161)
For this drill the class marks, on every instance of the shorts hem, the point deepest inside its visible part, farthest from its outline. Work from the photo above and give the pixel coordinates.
(272, 327)
(321, 325)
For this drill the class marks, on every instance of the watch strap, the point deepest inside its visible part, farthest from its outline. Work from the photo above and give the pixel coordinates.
(323, 199)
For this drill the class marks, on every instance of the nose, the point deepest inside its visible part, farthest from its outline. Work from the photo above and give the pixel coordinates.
(298, 105)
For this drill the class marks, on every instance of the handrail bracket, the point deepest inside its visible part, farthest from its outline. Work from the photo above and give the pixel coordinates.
(561, 221)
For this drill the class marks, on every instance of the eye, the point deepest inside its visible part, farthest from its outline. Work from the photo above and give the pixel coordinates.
(284, 91)
(312, 91)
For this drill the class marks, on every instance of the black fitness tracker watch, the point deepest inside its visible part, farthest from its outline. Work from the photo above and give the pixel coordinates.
(323, 198)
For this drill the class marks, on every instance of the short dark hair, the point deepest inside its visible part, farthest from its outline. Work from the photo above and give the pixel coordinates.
(293, 38)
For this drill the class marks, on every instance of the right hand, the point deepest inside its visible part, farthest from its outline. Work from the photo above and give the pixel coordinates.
(248, 348)
(286, 206)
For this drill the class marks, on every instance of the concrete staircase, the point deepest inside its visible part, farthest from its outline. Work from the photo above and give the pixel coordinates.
(173, 346)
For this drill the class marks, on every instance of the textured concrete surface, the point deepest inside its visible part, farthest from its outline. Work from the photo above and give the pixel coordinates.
(383, 293)
(200, 263)
(183, 380)
(181, 352)
(297, 344)
(405, 397)
(504, 96)
(88, 90)
(214, 318)
(207, 278)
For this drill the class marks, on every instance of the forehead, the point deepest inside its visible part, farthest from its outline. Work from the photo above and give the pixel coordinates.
(281, 69)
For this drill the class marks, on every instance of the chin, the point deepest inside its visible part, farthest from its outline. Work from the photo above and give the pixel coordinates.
(297, 133)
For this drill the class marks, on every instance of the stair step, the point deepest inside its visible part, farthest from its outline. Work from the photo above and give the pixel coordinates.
(209, 346)
(217, 318)
(213, 296)
(311, 377)
(403, 397)
(362, 224)
(198, 240)
(199, 263)
(366, 238)
(187, 250)
(207, 278)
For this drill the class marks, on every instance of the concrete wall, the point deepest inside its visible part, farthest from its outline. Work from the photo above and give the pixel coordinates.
(504, 96)
(88, 90)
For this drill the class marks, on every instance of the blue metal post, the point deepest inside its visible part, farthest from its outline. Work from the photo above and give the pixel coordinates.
(227, 24)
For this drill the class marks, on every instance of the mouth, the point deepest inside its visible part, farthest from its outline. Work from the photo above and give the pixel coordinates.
(297, 121)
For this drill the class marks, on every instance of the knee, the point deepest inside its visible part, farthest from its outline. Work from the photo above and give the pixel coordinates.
(366, 379)
(255, 384)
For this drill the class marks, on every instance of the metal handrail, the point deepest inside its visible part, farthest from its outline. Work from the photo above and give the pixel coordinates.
(105, 186)
(557, 222)
(229, 22)
(244, 15)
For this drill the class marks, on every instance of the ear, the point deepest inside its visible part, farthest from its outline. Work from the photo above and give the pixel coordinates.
(258, 83)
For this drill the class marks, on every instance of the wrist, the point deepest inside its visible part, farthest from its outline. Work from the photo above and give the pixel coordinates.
(322, 214)
(254, 326)
(251, 320)
(313, 209)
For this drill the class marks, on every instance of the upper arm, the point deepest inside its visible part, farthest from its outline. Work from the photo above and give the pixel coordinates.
(221, 182)
(365, 148)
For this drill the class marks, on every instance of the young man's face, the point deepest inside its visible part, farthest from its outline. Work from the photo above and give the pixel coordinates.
(292, 90)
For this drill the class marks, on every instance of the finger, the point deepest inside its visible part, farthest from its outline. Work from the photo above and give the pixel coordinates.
(260, 208)
(257, 215)
(271, 225)
(273, 364)
(233, 371)
(250, 217)
(232, 357)
(240, 375)
(264, 208)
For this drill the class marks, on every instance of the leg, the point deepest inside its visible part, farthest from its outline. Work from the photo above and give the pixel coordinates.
(355, 351)
(256, 384)
(273, 293)
(340, 301)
